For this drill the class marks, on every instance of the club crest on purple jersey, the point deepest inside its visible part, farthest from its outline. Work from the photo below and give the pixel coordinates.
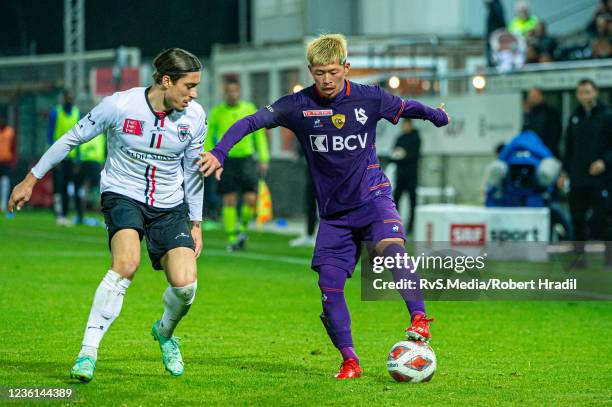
(360, 115)
(338, 120)
(184, 132)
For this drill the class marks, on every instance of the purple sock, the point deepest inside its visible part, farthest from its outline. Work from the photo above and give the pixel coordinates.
(413, 298)
(335, 316)
(349, 353)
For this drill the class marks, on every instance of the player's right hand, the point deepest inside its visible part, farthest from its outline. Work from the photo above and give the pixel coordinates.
(209, 164)
(21, 193)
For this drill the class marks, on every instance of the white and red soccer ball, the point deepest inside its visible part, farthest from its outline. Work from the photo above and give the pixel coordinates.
(411, 361)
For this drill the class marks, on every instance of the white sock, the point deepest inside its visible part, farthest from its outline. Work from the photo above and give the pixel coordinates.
(5, 187)
(105, 309)
(177, 301)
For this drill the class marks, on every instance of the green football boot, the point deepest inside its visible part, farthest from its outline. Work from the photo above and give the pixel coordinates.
(83, 369)
(171, 354)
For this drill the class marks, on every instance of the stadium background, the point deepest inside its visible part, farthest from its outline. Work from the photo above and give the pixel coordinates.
(491, 352)
(435, 49)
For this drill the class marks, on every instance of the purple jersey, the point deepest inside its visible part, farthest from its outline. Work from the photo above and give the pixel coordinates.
(338, 137)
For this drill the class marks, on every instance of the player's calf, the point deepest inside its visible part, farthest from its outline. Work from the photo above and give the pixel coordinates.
(177, 301)
(106, 307)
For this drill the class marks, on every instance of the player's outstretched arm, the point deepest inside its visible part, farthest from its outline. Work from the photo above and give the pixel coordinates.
(22, 192)
(393, 107)
(86, 129)
(417, 110)
(268, 117)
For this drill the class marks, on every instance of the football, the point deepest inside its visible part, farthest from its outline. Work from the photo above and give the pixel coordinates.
(411, 361)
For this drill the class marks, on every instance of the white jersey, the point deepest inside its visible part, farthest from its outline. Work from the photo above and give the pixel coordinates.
(151, 157)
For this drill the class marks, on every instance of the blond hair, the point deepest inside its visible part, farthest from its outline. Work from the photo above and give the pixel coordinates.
(327, 49)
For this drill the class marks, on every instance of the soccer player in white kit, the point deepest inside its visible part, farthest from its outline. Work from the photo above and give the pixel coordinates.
(150, 187)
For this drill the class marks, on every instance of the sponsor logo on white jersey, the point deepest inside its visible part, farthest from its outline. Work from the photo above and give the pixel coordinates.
(131, 126)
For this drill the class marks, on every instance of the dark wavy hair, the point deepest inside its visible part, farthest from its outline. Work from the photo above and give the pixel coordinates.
(176, 63)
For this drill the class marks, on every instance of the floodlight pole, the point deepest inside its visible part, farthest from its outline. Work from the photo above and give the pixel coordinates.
(74, 47)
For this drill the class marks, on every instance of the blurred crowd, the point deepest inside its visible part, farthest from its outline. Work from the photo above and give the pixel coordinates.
(525, 39)
(545, 166)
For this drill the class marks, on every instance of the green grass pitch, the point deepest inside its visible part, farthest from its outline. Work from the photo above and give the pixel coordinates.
(253, 335)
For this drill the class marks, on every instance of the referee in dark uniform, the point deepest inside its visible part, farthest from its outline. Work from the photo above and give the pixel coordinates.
(406, 154)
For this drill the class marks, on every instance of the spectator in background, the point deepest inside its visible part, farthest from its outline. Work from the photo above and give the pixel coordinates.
(543, 119)
(495, 21)
(601, 44)
(524, 22)
(8, 160)
(405, 155)
(543, 44)
(588, 164)
(61, 119)
(509, 50)
(604, 7)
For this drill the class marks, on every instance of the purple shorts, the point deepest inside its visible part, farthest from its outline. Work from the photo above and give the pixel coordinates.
(340, 236)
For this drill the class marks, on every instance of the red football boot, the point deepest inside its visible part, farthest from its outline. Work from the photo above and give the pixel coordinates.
(349, 369)
(419, 330)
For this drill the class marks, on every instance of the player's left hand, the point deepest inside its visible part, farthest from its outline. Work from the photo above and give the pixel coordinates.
(209, 164)
(196, 234)
(597, 167)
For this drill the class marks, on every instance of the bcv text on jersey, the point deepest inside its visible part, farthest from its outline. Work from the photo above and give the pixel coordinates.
(320, 142)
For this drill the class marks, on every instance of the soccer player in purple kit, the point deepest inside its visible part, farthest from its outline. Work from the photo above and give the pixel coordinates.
(335, 122)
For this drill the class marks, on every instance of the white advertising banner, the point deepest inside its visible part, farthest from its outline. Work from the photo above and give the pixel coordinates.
(479, 123)
(504, 233)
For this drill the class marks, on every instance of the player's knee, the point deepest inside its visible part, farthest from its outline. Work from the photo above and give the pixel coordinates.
(183, 276)
(126, 266)
(331, 277)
